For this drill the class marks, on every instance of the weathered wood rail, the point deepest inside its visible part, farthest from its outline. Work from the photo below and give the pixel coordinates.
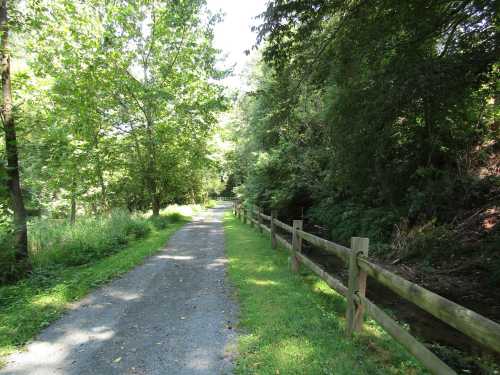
(224, 198)
(472, 324)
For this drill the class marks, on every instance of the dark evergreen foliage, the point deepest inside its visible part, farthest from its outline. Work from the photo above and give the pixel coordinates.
(376, 110)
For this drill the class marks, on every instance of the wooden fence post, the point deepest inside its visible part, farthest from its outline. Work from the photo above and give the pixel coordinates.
(250, 215)
(356, 286)
(296, 246)
(244, 215)
(259, 219)
(274, 216)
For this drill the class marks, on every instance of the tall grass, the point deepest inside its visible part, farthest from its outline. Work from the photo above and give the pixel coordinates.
(182, 210)
(89, 238)
(58, 243)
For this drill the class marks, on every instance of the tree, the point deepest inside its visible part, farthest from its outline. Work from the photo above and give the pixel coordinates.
(12, 156)
(364, 106)
(124, 96)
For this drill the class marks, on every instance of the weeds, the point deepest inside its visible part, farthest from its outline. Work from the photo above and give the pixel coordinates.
(59, 242)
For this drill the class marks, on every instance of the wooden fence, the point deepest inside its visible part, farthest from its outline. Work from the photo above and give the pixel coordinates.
(472, 324)
(221, 198)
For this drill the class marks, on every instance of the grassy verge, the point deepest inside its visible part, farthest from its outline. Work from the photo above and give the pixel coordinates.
(211, 203)
(31, 304)
(294, 324)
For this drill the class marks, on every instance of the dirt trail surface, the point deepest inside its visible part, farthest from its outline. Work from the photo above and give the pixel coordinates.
(172, 315)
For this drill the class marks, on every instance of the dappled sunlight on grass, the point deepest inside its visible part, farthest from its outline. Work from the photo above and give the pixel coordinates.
(289, 354)
(46, 300)
(373, 330)
(185, 210)
(294, 323)
(262, 282)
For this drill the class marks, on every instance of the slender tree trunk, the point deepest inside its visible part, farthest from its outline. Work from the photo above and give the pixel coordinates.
(156, 204)
(13, 180)
(152, 175)
(100, 176)
(153, 189)
(72, 215)
(72, 210)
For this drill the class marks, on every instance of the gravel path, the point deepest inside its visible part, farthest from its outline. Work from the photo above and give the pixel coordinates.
(172, 315)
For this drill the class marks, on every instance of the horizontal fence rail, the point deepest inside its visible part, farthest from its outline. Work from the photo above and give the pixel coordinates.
(466, 321)
(331, 247)
(267, 217)
(283, 226)
(224, 198)
(472, 324)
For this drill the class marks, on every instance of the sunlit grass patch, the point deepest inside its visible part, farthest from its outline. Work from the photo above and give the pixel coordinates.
(294, 324)
(184, 210)
(210, 203)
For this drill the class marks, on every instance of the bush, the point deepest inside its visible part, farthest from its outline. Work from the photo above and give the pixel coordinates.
(175, 217)
(427, 241)
(160, 222)
(138, 228)
(210, 203)
(346, 220)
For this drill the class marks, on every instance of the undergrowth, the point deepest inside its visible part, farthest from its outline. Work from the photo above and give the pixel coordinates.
(210, 203)
(90, 238)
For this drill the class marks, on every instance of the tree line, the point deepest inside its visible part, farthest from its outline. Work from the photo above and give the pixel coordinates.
(371, 115)
(105, 104)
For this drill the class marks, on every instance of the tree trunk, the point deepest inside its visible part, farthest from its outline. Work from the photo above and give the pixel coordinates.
(13, 180)
(72, 215)
(151, 169)
(100, 173)
(153, 187)
(104, 197)
(156, 204)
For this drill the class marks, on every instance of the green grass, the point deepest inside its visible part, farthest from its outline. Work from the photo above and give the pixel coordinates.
(88, 239)
(31, 304)
(211, 203)
(294, 323)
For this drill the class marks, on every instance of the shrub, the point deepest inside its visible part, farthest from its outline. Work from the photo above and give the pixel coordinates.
(138, 228)
(210, 203)
(160, 222)
(427, 241)
(346, 220)
(175, 217)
